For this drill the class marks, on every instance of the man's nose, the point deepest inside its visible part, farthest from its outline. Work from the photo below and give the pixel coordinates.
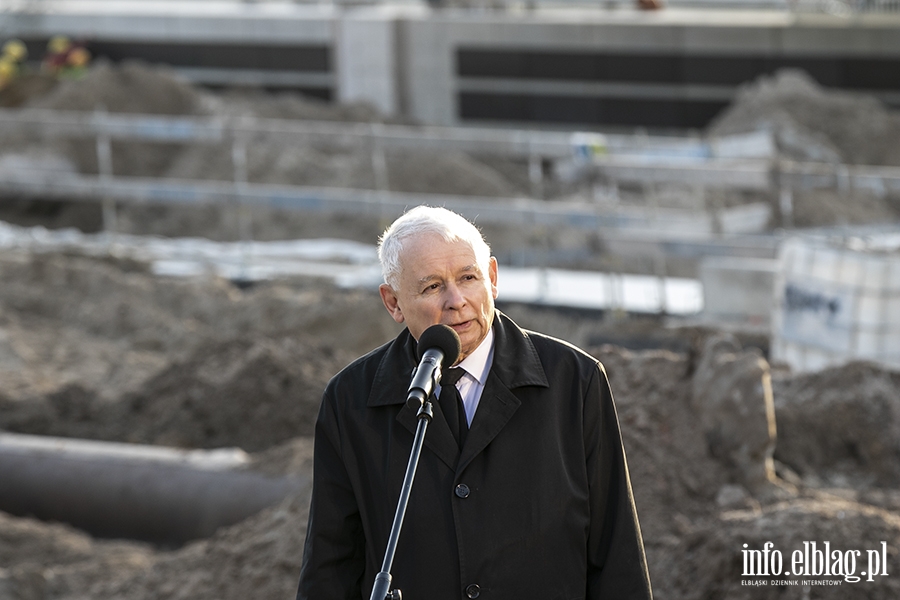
(453, 298)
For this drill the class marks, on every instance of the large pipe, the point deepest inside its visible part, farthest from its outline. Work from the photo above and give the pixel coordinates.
(163, 495)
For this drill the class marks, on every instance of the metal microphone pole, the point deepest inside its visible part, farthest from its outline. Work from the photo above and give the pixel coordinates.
(381, 590)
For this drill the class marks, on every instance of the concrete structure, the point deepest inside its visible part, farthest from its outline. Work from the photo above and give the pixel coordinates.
(573, 67)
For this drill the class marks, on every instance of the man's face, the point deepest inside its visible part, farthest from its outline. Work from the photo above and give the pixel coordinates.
(442, 282)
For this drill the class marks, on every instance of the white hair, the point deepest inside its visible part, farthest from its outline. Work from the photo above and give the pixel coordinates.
(427, 219)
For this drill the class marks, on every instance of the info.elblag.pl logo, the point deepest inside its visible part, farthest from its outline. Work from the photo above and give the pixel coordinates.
(814, 564)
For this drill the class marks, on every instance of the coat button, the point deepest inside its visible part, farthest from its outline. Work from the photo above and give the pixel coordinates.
(473, 591)
(462, 491)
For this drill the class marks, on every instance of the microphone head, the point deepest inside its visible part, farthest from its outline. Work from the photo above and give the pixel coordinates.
(444, 339)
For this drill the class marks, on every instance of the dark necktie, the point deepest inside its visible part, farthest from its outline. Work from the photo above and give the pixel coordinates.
(452, 404)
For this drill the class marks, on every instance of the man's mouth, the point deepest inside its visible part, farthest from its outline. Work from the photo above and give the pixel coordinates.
(461, 326)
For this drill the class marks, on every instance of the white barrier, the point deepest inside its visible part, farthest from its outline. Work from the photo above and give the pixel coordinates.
(838, 300)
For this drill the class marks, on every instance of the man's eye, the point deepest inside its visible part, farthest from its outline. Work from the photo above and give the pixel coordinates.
(432, 287)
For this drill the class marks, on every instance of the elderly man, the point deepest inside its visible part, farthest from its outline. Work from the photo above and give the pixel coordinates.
(524, 493)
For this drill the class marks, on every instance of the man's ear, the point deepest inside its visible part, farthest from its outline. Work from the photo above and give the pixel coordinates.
(492, 275)
(391, 303)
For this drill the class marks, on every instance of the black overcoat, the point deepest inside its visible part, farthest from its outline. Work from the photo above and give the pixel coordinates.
(537, 505)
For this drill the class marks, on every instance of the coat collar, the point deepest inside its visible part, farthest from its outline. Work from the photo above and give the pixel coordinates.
(516, 364)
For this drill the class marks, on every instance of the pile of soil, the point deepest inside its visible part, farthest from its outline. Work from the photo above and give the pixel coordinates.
(104, 350)
(826, 208)
(250, 394)
(852, 128)
(330, 165)
(707, 561)
(211, 365)
(673, 473)
(258, 558)
(812, 123)
(108, 325)
(864, 451)
(25, 87)
(125, 88)
(35, 557)
(135, 87)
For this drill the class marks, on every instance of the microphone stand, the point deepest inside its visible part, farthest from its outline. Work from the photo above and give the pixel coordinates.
(383, 579)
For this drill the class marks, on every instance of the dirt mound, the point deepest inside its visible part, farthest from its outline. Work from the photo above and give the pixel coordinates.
(129, 87)
(26, 87)
(250, 394)
(672, 470)
(732, 393)
(138, 88)
(853, 128)
(287, 105)
(422, 172)
(117, 299)
(343, 166)
(841, 425)
(103, 350)
(135, 87)
(708, 562)
(696, 513)
(826, 208)
(258, 558)
(812, 123)
(36, 558)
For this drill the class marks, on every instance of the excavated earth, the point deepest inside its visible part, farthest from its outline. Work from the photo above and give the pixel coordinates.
(101, 348)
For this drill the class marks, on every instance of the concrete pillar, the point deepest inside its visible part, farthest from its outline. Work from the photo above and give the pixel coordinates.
(429, 66)
(366, 63)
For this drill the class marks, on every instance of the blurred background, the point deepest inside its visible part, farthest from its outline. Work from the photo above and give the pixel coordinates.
(704, 194)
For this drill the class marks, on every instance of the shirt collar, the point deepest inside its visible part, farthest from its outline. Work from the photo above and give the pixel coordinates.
(479, 362)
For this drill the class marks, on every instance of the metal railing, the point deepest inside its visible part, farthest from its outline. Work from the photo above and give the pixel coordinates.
(642, 160)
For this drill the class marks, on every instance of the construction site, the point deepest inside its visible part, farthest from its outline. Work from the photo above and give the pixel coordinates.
(703, 196)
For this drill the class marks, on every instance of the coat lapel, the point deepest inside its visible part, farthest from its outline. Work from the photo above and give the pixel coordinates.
(495, 409)
(438, 437)
(516, 364)
(389, 388)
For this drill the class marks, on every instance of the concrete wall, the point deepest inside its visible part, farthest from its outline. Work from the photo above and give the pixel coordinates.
(366, 59)
(696, 42)
(666, 68)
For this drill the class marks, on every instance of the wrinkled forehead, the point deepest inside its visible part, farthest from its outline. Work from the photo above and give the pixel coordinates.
(426, 254)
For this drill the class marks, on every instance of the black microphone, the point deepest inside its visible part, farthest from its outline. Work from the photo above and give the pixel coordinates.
(439, 347)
